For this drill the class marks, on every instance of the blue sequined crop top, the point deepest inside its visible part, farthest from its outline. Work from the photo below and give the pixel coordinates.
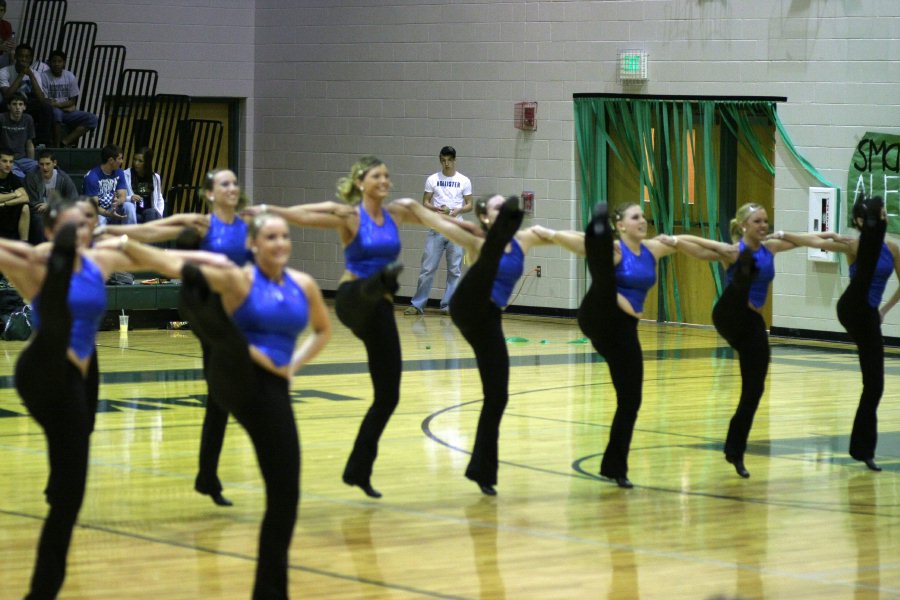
(635, 275)
(883, 270)
(374, 247)
(229, 239)
(765, 262)
(87, 304)
(272, 316)
(512, 264)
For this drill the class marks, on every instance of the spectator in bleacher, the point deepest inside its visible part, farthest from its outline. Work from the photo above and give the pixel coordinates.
(17, 134)
(39, 183)
(145, 186)
(15, 218)
(7, 37)
(106, 183)
(62, 91)
(25, 76)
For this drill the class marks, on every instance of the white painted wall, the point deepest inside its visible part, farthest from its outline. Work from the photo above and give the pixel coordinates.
(331, 80)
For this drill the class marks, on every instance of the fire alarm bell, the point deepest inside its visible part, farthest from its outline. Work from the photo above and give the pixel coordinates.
(526, 116)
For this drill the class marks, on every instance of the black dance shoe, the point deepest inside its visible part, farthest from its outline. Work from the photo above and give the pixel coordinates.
(623, 482)
(509, 218)
(365, 486)
(745, 269)
(221, 500)
(599, 224)
(217, 497)
(63, 252)
(870, 463)
(487, 490)
(389, 276)
(738, 466)
(873, 209)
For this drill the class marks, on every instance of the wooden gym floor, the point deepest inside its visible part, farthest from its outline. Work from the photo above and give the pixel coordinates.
(809, 523)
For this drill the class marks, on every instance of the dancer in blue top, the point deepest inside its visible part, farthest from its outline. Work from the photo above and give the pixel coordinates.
(872, 262)
(477, 307)
(225, 232)
(249, 319)
(56, 374)
(622, 272)
(738, 313)
(364, 298)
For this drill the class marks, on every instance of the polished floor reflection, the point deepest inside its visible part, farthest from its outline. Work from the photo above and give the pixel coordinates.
(809, 523)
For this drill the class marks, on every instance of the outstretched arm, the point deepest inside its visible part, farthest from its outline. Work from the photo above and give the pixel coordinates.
(828, 240)
(410, 211)
(321, 215)
(573, 241)
(160, 230)
(683, 244)
(125, 254)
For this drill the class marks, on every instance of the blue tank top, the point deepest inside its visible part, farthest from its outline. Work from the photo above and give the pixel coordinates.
(229, 239)
(87, 304)
(511, 267)
(272, 316)
(883, 270)
(374, 247)
(635, 275)
(765, 262)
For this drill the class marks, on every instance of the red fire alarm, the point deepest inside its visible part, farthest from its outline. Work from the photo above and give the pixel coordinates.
(528, 203)
(526, 116)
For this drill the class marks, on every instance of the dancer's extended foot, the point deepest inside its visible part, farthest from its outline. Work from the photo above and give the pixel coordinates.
(874, 207)
(509, 219)
(389, 276)
(486, 488)
(599, 224)
(745, 269)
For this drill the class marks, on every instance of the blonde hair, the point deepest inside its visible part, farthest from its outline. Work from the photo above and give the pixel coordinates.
(743, 213)
(209, 181)
(347, 190)
(618, 213)
(260, 221)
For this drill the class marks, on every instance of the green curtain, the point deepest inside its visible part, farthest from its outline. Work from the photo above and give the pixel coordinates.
(656, 136)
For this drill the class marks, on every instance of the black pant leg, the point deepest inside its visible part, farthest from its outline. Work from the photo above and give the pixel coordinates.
(483, 329)
(745, 330)
(212, 436)
(269, 420)
(382, 341)
(55, 394)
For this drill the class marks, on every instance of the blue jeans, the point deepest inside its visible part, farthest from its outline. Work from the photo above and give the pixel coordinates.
(435, 246)
(130, 215)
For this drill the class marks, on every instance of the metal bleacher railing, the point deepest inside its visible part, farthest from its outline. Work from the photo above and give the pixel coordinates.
(131, 113)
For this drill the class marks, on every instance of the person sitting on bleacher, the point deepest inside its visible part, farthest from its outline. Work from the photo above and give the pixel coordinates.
(106, 183)
(17, 134)
(8, 37)
(15, 218)
(39, 183)
(61, 88)
(25, 76)
(145, 186)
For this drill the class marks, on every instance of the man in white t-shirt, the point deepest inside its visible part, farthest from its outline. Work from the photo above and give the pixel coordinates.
(450, 193)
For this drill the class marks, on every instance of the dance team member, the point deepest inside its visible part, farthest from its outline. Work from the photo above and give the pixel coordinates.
(249, 319)
(872, 262)
(737, 315)
(364, 298)
(622, 272)
(56, 374)
(498, 260)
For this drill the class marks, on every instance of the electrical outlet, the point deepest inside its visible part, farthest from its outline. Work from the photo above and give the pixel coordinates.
(537, 270)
